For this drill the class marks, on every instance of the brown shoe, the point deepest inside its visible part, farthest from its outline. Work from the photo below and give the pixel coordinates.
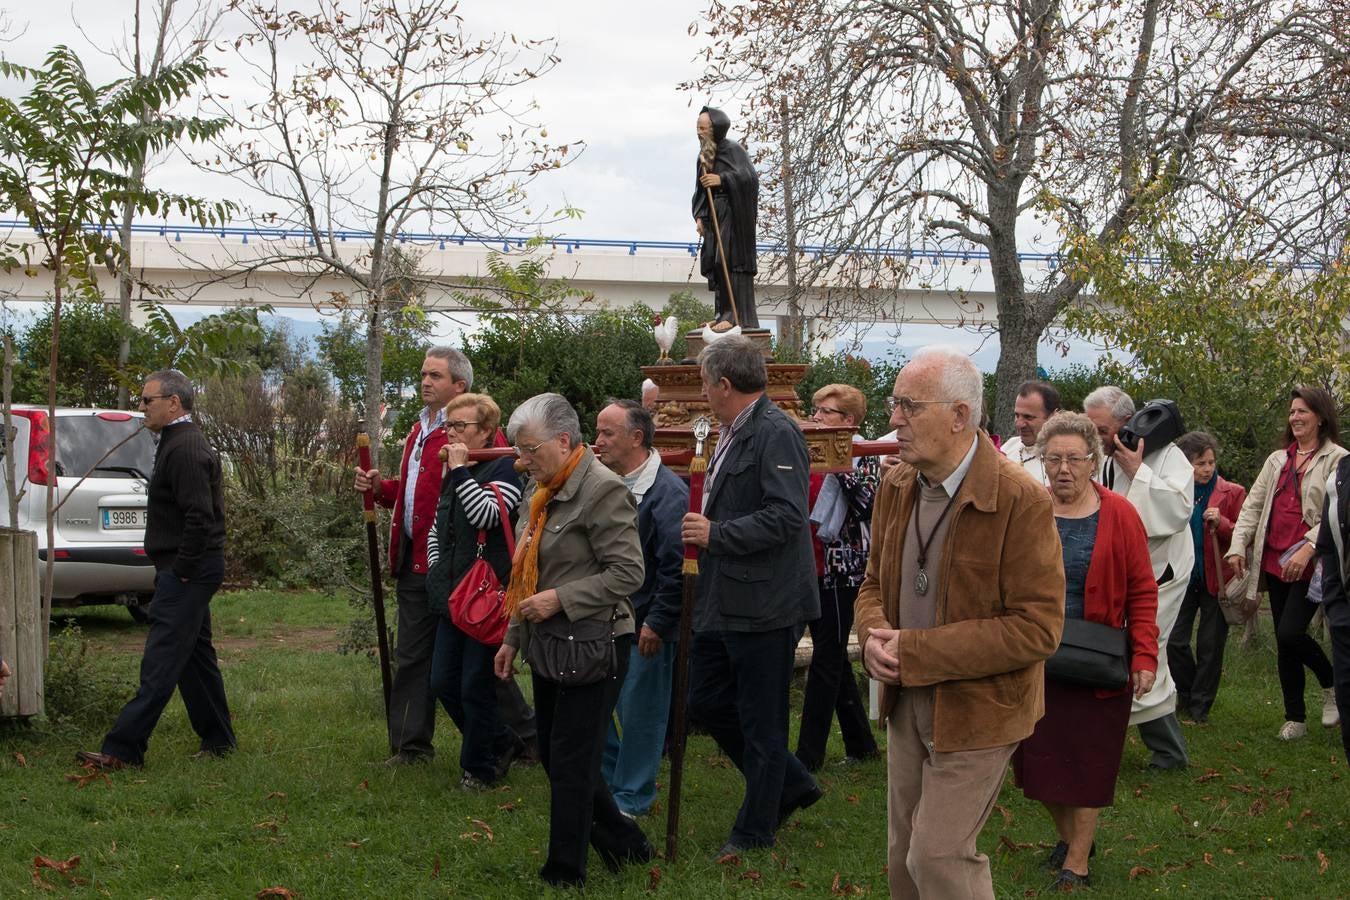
(94, 759)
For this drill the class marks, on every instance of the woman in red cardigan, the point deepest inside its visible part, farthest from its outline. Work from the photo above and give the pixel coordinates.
(1071, 760)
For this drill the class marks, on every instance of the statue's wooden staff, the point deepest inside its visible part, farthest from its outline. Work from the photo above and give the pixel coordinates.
(707, 155)
(376, 583)
(698, 467)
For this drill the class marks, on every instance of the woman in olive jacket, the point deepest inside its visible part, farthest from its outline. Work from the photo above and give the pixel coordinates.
(578, 555)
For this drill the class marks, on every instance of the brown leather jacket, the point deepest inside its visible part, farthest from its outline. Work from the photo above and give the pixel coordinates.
(1000, 612)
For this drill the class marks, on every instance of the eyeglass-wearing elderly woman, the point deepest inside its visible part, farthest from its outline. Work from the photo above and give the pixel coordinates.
(577, 555)
(1071, 760)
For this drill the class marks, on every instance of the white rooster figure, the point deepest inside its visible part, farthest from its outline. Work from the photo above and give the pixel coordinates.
(711, 334)
(665, 332)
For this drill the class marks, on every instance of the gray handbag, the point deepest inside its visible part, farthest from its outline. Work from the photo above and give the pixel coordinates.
(573, 654)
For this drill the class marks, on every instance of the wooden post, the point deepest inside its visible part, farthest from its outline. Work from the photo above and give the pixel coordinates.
(20, 634)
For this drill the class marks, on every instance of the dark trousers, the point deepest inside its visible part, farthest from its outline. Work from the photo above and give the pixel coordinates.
(573, 722)
(1340, 661)
(514, 712)
(412, 708)
(1294, 647)
(178, 653)
(463, 680)
(1197, 677)
(831, 686)
(1163, 737)
(738, 691)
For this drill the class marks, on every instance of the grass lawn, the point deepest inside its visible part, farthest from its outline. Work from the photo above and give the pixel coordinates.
(306, 804)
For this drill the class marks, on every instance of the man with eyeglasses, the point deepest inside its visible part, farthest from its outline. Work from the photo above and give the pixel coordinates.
(185, 539)
(446, 373)
(1160, 483)
(1036, 401)
(962, 602)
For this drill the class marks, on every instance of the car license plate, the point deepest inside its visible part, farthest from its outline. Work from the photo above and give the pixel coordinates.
(114, 519)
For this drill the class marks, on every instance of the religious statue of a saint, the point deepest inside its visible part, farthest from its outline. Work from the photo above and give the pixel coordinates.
(726, 206)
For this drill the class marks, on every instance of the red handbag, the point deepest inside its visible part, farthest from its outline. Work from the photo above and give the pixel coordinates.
(476, 602)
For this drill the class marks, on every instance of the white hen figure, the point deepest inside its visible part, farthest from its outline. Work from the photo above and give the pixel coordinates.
(665, 332)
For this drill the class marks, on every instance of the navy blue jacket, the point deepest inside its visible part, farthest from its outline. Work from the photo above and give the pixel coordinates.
(758, 572)
(657, 602)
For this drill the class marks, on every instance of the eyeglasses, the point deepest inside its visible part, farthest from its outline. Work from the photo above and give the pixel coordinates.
(909, 406)
(1055, 462)
(828, 409)
(528, 451)
(151, 398)
(457, 426)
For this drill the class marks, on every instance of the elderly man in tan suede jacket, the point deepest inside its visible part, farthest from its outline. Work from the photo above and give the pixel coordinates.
(962, 602)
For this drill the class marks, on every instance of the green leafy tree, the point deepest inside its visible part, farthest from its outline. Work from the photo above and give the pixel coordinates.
(86, 374)
(65, 149)
(1226, 338)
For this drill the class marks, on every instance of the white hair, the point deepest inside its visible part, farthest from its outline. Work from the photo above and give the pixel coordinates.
(959, 379)
(1115, 400)
(547, 415)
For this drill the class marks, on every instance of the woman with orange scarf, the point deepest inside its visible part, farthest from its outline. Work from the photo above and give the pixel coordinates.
(577, 556)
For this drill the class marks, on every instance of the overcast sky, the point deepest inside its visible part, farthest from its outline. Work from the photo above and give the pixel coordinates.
(615, 89)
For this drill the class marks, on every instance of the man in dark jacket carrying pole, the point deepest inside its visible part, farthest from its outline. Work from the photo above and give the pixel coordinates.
(623, 442)
(185, 539)
(756, 589)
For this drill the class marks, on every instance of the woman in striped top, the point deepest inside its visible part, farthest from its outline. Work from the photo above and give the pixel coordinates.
(461, 667)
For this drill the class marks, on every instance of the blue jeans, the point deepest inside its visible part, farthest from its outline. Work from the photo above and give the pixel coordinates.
(462, 679)
(738, 690)
(630, 766)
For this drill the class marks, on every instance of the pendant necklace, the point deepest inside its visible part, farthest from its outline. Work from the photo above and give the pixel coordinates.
(921, 578)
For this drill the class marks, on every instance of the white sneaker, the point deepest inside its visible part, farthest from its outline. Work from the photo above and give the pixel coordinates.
(1292, 731)
(1331, 717)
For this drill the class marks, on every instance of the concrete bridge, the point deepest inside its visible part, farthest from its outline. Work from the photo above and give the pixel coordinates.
(230, 266)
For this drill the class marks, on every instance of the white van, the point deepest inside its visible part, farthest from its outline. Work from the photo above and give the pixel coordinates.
(99, 550)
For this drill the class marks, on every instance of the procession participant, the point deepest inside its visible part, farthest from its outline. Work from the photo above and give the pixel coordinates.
(1160, 482)
(623, 442)
(185, 539)
(756, 588)
(962, 603)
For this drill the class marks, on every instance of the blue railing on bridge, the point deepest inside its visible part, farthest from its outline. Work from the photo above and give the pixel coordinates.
(935, 255)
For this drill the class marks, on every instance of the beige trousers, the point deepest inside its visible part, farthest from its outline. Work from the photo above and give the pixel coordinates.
(936, 804)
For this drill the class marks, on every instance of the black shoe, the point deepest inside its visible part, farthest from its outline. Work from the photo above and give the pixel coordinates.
(1070, 881)
(213, 752)
(473, 784)
(1060, 853)
(508, 754)
(802, 800)
(407, 758)
(730, 848)
(860, 758)
(640, 854)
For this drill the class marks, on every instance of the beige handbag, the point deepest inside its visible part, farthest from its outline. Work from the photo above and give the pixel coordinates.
(1237, 609)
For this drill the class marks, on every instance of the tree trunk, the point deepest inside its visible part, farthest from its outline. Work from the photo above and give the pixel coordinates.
(375, 375)
(124, 287)
(1018, 337)
(48, 584)
(793, 335)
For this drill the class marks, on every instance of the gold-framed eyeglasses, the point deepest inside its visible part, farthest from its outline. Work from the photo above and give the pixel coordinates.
(528, 451)
(908, 405)
(1056, 462)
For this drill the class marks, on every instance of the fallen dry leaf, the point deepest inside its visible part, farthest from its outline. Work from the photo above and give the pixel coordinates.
(21, 759)
(1290, 857)
(840, 888)
(284, 893)
(436, 868)
(90, 775)
(486, 829)
(508, 806)
(752, 876)
(852, 798)
(1210, 775)
(1323, 863)
(354, 845)
(653, 878)
(1209, 860)
(275, 795)
(1012, 846)
(1005, 813)
(798, 885)
(1138, 871)
(364, 785)
(729, 859)
(781, 860)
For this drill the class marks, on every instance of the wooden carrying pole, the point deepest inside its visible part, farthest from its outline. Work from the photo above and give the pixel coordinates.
(698, 467)
(376, 582)
(721, 249)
